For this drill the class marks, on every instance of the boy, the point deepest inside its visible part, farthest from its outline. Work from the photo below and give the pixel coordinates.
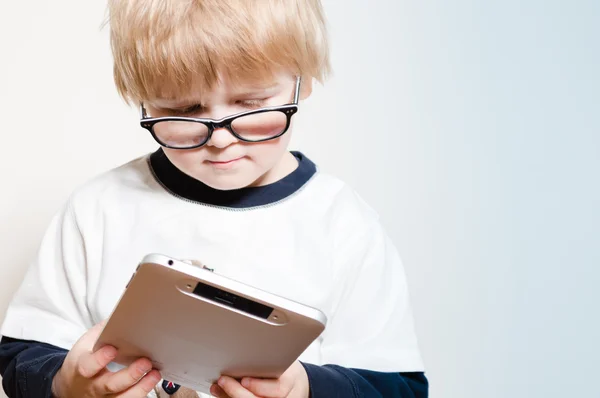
(217, 83)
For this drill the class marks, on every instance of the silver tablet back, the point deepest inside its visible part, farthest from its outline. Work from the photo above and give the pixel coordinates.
(195, 325)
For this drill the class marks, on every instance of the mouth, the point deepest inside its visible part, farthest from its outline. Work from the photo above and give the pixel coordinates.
(224, 163)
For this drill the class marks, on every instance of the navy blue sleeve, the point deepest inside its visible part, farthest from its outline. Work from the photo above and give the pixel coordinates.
(28, 367)
(332, 381)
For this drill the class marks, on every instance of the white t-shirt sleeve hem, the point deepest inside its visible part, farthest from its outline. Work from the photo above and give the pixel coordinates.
(372, 326)
(24, 324)
(50, 305)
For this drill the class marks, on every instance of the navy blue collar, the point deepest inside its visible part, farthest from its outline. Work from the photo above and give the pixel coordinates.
(181, 184)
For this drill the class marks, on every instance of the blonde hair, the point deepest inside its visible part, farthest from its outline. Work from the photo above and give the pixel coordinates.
(161, 47)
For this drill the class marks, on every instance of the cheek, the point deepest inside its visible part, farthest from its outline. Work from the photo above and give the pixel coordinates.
(185, 160)
(269, 152)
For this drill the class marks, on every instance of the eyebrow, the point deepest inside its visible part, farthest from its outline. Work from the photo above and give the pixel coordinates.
(252, 89)
(175, 105)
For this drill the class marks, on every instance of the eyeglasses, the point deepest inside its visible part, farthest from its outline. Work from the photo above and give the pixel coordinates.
(257, 125)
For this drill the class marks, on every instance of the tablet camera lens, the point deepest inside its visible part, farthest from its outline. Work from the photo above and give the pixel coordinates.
(170, 262)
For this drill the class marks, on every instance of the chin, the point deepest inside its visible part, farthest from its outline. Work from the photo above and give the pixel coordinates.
(228, 183)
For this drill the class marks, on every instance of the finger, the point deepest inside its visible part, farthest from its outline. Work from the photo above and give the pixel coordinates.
(218, 392)
(143, 387)
(122, 380)
(90, 364)
(267, 388)
(89, 338)
(233, 388)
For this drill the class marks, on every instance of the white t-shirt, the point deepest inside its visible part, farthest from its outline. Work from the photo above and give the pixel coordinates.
(309, 238)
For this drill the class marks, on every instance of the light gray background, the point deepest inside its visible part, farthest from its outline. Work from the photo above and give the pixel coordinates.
(472, 127)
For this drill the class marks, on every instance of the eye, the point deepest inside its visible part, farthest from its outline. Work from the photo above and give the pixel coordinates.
(194, 109)
(252, 103)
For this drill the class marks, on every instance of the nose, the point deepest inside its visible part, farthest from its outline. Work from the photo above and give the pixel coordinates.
(221, 138)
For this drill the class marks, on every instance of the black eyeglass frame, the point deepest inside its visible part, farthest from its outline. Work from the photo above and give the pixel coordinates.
(212, 124)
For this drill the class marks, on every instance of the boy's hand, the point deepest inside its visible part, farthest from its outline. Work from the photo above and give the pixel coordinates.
(292, 384)
(84, 373)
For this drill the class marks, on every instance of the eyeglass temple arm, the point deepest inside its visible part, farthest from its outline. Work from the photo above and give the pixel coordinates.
(142, 111)
(297, 93)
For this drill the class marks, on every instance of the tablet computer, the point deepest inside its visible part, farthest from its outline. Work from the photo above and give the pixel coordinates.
(195, 325)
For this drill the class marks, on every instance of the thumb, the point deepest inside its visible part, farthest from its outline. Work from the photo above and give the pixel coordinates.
(89, 338)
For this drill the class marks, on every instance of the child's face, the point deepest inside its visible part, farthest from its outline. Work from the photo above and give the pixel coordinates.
(225, 162)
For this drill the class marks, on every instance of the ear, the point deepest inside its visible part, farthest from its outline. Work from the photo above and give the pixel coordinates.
(306, 87)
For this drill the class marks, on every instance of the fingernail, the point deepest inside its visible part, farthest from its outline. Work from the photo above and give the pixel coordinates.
(221, 381)
(246, 382)
(145, 368)
(110, 352)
